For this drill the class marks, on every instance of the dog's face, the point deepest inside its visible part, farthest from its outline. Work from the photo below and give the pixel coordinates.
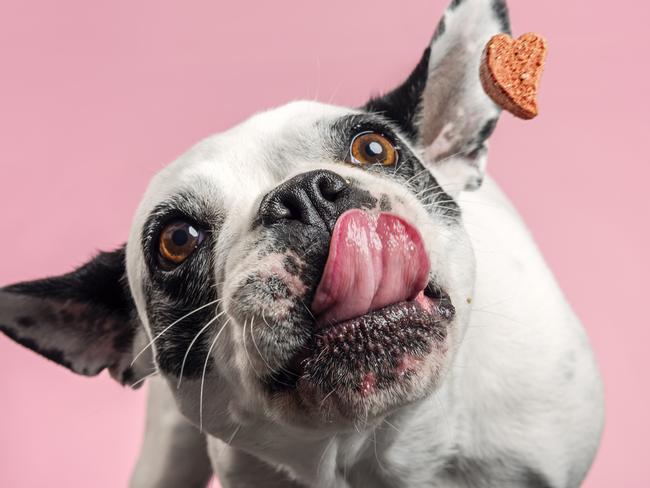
(309, 266)
(333, 269)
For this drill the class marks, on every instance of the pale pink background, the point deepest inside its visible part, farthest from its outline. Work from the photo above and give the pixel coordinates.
(97, 96)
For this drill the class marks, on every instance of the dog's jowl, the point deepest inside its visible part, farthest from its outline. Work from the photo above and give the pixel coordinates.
(335, 297)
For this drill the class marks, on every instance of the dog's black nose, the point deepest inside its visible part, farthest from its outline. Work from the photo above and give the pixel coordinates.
(313, 198)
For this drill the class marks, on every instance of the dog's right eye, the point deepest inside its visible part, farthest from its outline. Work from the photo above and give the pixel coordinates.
(178, 240)
(368, 148)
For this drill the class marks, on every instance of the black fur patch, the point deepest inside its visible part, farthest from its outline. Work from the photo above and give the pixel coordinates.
(500, 9)
(401, 105)
(440, 29)
(168, 305)
(535, 479)
(292, 266)
(384, 203)
(486, 131)
(455, 4)
(174, 293)
(100, 283)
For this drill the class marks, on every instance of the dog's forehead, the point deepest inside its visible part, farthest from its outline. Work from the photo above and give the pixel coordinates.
(248, 155)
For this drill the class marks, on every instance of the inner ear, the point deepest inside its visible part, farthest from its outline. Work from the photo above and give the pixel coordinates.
(84, 320)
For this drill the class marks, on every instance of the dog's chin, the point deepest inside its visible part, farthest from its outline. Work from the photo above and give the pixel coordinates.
(361, 369)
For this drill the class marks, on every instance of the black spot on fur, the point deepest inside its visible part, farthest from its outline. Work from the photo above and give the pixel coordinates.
(500, 9)
(455, 3)
(401, 106)
(535, 479)
(384, 203)
(291, 266)
(493, 473)
(440, 29)
(486, 131)
(25, 321)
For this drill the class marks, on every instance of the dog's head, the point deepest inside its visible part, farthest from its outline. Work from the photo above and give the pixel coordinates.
(308, 266)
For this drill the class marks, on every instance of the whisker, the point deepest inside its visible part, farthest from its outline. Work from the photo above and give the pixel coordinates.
(169, 327)
(265, 321)
(196, 337)
(327, 396)
(302, 256)
(416, 175)
(248, 356)
(392, 425)
(381, 467)
(258, 349)
(447, 158)
(279, 367)
(205, 367)
(307, 308)
(143, 379)
(322, 456)
(232, 436)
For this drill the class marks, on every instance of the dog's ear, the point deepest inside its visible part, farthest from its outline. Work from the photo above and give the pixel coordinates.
(84, 320)
(442, 105)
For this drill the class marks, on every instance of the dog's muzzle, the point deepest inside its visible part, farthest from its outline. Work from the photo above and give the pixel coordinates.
(374, 314)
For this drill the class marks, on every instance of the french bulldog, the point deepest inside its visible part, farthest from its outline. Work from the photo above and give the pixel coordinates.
(337, 297)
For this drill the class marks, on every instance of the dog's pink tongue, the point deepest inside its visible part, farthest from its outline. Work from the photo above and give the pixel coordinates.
(373, 262)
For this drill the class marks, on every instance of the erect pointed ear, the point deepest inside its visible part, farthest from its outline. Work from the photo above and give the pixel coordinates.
(84, 320)
(442, 105)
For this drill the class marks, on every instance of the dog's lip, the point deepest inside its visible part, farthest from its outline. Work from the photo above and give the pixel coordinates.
(432, 301)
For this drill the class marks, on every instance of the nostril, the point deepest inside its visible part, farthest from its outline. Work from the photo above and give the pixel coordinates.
(331, 188)
(292, 206)
(276, 209)
(328, 192)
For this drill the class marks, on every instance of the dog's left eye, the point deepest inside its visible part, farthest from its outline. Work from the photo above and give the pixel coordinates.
(372, 148)
(178, 240)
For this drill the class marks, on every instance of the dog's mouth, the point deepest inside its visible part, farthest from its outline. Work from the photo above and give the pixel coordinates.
(378, 315)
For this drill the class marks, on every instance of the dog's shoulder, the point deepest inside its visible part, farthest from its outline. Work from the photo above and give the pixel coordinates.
(542, 375)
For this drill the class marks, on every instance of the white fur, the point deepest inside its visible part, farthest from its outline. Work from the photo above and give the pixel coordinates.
(508, 396)
(523, 379)
(519, 383)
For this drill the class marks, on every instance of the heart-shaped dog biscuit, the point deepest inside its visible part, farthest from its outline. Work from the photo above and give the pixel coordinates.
(511, 70)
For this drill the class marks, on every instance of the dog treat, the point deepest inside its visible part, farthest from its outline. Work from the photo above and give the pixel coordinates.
(511, 70)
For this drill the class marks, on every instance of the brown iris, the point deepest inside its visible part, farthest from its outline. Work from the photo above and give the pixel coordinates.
(178, 240)
(372, 148)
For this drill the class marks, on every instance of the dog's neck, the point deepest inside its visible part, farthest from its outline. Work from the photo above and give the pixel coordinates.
(407, 446)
